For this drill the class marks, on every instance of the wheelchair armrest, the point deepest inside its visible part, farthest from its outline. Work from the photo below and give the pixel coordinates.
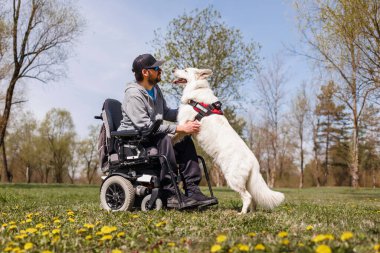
(152, 129)
(125, 133)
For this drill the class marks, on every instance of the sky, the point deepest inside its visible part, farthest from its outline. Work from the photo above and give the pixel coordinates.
(117, 31)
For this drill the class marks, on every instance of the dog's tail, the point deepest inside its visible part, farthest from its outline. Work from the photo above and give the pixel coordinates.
(261, 193)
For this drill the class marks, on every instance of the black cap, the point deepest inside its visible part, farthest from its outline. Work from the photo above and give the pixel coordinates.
(145, 61)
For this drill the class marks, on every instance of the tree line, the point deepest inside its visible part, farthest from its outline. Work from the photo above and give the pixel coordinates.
(327, 133)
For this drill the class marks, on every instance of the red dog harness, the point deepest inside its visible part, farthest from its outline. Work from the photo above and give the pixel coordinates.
(206, 109)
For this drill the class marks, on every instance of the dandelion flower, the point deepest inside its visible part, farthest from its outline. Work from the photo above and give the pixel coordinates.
(56, 231)
(376, 247)
(7, 249)
(221, 238)
(346, 236)
(28, 220)
(161, 224)
(70, 213)
(285, 242)
(12, 227)
(46, 251)
(106, 238)
(28, 246)
(323, 249)
(89, 237)
(71, 220)
(259, 247)
(171, 244)
(31, 230)
(88, 225)
(215, 248)
(107, 229)
(329, 236)
(45, 233)
(135, 216)
(252, 234)
(310, 227)
(243, 247)
(81, 230)
(282, 234)
(57, 221)
(4, 225)
(120, 234)
(40, 225)
(116, 251)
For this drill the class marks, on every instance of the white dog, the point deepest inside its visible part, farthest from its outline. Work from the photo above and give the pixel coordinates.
(219, 140)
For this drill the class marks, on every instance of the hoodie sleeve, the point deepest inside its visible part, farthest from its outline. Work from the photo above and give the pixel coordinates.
(169, 114)
(135, 108)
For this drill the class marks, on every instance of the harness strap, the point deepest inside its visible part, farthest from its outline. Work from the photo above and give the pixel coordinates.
(206, 109)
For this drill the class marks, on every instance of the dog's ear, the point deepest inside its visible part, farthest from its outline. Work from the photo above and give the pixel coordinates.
(204, 73)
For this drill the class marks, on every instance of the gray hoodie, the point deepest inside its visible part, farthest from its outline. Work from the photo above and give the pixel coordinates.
(139, 109)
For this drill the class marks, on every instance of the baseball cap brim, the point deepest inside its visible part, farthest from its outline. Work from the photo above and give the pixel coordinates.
(157, 64)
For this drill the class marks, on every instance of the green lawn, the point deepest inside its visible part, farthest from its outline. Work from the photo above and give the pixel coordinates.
(66, 218)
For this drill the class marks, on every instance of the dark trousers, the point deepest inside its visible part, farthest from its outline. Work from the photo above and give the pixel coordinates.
(182, 153)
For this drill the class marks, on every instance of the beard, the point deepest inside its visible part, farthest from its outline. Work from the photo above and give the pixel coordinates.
(153, 81)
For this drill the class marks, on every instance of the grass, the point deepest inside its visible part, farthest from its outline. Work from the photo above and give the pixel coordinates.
(66, 218)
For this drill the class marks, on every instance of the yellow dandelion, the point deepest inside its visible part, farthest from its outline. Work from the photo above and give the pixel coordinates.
(29, 215)
(252, 234)
(171, 244)
(89, 237)
(40, 225)
(98, 222)
(135, 216)
(183, 240)
(4, 225)
(45, 233)
(106, 238)
(116, 251)
(310, 227)
(31, 230)
(215, 248)
(221, 238)
(320, 238)
(300, 244)
(259, 247)
(120, 234)
(323, 249)
(161, 224)
(12, 223)
(37, 214)
(16, 249)
(243, 247)
(71, 220)
(57, 221)
(98, 233)
(285, 242)
(55, 239)
(28, 246)
(282, 234)
(107, 229)
(7, 249)
(56, 231)
(376, 247)
(87, 225)
(346, 236)
(22, 236)
(28, 220)
(70, 213)
(81, 230)
(329, 237)
(47, 251)
(12, 227)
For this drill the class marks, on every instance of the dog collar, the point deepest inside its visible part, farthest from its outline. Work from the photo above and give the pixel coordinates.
(206, 109)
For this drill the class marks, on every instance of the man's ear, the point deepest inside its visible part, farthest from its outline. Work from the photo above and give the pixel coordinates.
(204, 73)
(145, 72)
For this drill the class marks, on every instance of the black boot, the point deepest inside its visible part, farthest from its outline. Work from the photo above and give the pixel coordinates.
(192, 191)
(173, 202)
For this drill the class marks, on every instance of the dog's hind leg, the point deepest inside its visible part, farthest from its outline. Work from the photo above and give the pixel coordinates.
(253, 206)
(247, 200)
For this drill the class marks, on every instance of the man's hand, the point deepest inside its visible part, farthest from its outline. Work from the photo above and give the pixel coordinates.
(190, 127)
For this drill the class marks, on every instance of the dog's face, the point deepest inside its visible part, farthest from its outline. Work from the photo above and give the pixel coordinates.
(188, 75)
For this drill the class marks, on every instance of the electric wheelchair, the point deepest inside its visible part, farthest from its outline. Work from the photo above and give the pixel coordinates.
(131, 168)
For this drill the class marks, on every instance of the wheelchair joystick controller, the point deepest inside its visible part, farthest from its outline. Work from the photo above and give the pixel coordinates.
(141, 190)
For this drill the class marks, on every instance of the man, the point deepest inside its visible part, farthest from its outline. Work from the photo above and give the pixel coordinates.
(143, 104)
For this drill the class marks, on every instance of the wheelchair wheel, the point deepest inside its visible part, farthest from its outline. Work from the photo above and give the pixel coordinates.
(117, 194)
(144, 204)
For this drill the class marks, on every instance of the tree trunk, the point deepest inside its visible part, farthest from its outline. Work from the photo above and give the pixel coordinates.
(355, 157)
(7, 175)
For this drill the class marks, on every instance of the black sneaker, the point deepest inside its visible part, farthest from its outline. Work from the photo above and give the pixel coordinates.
(172, 202)
(195, 193)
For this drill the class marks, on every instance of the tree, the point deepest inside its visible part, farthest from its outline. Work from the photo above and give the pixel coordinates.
(40, 37)
(57, 132)
(270, 84)
(88, 151)
(202, 40)
(330, 28)
(301, 110)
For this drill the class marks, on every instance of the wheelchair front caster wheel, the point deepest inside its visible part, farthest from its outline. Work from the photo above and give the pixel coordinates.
(144, 204)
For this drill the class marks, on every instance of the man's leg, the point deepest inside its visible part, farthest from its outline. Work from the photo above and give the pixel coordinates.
(165, 147)
(186, 154)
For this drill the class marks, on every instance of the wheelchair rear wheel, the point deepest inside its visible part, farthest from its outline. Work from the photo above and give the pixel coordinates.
(117, 194)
